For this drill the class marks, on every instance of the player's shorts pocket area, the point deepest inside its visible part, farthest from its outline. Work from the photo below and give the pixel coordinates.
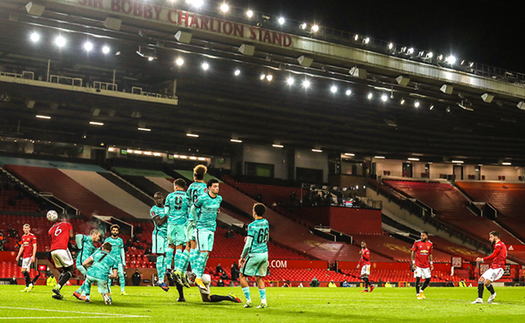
(256, 265)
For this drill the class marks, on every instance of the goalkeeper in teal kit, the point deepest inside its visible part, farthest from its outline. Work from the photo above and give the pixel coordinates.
(254, 257)
(204, 216)
(100, 264)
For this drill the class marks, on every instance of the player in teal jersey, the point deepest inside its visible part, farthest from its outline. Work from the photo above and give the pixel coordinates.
(254, 257)
(117, 251)
(87, 248)
(205, 210)
(101, 264)
(197, 188)
(176, 207)
(159, 237)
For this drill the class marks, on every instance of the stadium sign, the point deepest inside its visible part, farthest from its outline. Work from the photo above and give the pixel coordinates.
(185, 19)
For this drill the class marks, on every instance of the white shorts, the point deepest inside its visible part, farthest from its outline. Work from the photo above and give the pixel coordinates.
(365, 270)
(422, 273)
(493, 274)
(26, 263)
(62, 258)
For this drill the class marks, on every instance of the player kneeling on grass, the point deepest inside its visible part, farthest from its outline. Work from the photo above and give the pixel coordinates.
(205, 292)
(254, 257)
(100, 264)
(497, 269)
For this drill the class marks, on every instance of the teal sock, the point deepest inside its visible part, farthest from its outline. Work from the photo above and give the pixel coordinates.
(262, 292)
(178, 253)
(122, 281)
(203, 260)
(161, 268)
(193, 259)
(246, 291)
(169, 258)
(185, 258)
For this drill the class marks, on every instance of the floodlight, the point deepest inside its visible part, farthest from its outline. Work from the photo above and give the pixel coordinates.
(281, 21)
(225, 7)
(249, 13)
(105, 49)
(315, 28)
(333, 89)
(35, 37)
(60, 41)
(88, 46)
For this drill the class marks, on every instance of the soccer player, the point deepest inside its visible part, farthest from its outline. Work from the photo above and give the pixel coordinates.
(102, 263)
(117, 251)
(87, 248)
(364, 263)
(177, 204)
(28, 252)
(61, 233)
(196, 189)
(204, 211)
(496, 269)
(422, 263)
(254, 257)
(159, 237)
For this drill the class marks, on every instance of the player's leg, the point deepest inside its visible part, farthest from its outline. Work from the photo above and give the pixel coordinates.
(103, 289)
(495, 275)
(121, 279)
(417, 275)
(80, 293)
(171, 247)
(245, 288)
(481, 286)
(25, 272)
(219, 298)
(87, 289)
(262, 291)
(261, 265)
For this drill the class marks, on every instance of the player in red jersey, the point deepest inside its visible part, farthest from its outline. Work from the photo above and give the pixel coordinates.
(61, 233)
(28, 252)
(496, 270)
(364, 263)
(422, 263)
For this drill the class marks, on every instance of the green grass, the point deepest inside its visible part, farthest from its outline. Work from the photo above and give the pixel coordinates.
(285, 305)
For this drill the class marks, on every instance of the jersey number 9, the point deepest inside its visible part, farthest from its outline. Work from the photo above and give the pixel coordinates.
(178, 203)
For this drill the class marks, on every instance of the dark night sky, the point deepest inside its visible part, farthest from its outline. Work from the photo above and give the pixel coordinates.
(483, 31)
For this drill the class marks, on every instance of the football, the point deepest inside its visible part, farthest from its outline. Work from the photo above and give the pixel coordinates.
(206, 279)
(52, 215)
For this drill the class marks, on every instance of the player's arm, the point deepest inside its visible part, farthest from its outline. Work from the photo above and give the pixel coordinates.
(413, 256)
(160, 221)
(20, 252)
(34, 251)
(494, 254)
(431, 258)
(88, 262)
(78, 240)
(246, 250)
(114, 273)
(193, 214)
(123, 255)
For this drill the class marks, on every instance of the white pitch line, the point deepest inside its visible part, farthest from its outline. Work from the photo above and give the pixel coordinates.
(57, 317)
(74, 312)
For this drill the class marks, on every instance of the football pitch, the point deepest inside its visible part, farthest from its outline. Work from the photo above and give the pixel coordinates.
(151, 304)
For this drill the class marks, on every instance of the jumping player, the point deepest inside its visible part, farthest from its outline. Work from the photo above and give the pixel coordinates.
(100, 264)
(364, 263)
(254, 257)
(205, 210)
(117, 251)
(159, 238)
(496, 269)
(196, 189)
(87, 248)
(421, 255)
(61, 233)
(177, 204)
(28, 252)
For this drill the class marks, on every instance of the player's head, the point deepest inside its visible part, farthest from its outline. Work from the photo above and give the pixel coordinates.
(159, 198)
(424, 236)
(199, 171)
(258, 210)
(26, 228)
(106, 246)
(363, 244)
(179, 184)
(115, 230)
(213, 186)
(95, 235)
(494, 236)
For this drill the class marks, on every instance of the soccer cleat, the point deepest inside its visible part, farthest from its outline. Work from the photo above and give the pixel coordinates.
(190, 278)
(25, 289)
(234, 298)
(248, 304)
(87, 300)
(30, 288)
(365, 291)
(419, 296)
(263, 305)
(56, 290)
(123, 293)
(199, 283)
(58, 296)
(371, 288)
(184, 280)
(181, 300)
(107, 299)
(477, 301)
(491, 298)
(78, 296)
(163, 286)
(422, 295)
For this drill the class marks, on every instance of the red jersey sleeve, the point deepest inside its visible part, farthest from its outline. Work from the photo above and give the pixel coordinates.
(366, 255)
(497, 249)
(414, 248)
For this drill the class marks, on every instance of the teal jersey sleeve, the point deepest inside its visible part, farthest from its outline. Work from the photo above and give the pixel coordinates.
(160, 212)
(259, 230)
(177, 204)
(103, 263)
(208, 208)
